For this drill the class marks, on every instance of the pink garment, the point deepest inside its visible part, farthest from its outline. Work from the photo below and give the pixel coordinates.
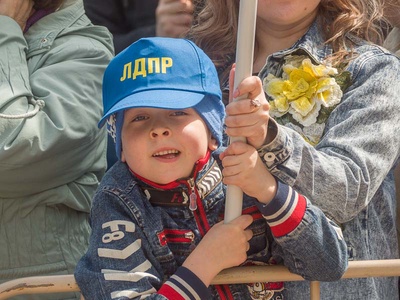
(36, 17)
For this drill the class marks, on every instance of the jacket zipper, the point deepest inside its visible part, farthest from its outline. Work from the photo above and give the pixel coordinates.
(175, 236)
(202, 223)
(192, 196)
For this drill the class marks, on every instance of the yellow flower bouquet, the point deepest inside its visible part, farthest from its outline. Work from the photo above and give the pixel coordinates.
(305, 95)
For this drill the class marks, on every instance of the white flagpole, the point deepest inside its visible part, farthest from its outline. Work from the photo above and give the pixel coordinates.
(244, 68)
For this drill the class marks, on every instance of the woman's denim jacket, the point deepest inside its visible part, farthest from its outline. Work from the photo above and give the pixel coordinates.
(155, 239)
(349, 173)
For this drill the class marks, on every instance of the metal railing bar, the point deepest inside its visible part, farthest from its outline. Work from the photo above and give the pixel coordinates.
(248, 274)
(356, 269)
(39, 285)
(315, 292)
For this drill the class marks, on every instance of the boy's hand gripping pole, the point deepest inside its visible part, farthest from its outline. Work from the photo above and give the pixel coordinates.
(244, 68)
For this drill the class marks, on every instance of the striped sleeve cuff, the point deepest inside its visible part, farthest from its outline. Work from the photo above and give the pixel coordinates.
(285, 212)
(184, 285)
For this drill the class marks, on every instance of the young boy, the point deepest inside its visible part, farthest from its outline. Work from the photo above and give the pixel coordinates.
(156, 218)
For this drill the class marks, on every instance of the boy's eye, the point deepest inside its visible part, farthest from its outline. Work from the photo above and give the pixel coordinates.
(179, 113)
(139, 118)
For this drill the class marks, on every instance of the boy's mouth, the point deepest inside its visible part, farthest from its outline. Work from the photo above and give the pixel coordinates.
(167, 153)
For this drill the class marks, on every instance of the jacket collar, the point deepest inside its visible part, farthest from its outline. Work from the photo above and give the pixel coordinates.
(206, 176)
(41, 35)
(312, 43)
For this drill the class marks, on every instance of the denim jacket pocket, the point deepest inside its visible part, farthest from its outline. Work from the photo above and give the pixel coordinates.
(180, 242)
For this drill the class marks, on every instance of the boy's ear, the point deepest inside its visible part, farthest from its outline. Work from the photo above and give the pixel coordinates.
(212, 143)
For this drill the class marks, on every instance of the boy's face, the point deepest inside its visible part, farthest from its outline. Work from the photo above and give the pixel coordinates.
(163, 145)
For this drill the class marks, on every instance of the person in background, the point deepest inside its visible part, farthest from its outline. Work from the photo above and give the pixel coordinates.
(392, 43)
(52, 155)
(392, 14)
(130, 20)
(157, 229)
(334, 117)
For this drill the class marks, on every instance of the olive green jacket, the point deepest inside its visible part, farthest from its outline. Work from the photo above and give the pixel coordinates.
(52, 155)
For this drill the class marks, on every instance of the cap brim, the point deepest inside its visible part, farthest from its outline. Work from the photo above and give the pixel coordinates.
(166, 99)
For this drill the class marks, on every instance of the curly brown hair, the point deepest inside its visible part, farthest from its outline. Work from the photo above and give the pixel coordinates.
(362, 18)
(216, 28)
(47, 4)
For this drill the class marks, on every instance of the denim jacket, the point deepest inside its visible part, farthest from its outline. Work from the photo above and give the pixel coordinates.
(349, 173)
(139, 239)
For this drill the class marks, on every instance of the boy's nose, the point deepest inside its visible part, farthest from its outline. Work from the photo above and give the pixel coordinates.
(160, 132)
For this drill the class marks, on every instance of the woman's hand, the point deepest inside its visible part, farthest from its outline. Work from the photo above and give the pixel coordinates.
(19, 10)
(173, 17)
(247, 117)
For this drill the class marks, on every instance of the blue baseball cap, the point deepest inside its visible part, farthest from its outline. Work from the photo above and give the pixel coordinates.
(167, 73)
